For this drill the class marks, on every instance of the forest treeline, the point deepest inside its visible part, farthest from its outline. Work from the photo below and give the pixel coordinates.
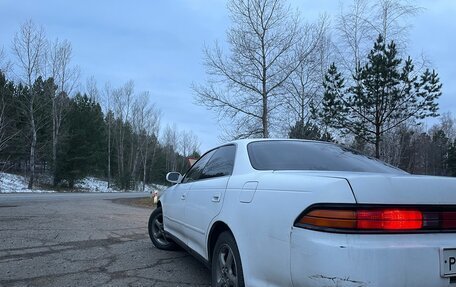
(55, 134)
(120, 145)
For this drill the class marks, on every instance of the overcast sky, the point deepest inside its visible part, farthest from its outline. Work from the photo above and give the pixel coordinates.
(158, 44)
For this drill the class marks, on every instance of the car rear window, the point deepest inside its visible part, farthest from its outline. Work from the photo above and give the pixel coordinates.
(306, 155)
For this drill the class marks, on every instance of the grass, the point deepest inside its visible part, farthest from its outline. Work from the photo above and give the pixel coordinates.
(145, 202)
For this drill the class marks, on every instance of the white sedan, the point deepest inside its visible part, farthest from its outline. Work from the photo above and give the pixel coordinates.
(305, 213)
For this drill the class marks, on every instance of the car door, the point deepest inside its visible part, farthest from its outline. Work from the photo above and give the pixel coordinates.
(174, 211)
(205, 197)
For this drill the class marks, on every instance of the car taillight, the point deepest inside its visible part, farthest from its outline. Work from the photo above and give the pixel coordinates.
(377, 219)
(389, 219)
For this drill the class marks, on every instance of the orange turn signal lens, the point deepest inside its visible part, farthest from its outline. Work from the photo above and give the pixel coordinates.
(345, 219)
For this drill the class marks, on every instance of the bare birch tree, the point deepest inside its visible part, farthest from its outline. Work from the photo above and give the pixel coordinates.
(5, 65)
(91, 88)
(107, 96)
(147, 123)
(358, 26)
(29, 46)
(353, 35)
(122, 101)
(170, 142)
(66, 77)
(390, 19)
(188, 143)
(303, 89)
(267, 45)
(138, 141)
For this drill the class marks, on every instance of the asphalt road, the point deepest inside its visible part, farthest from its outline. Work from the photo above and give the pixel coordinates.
(85, 240)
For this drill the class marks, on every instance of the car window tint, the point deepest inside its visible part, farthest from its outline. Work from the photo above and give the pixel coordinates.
(221, 163)
(302, 155)
(195, 171)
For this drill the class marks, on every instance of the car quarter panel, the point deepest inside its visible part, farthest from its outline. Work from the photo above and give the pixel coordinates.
(394, 260)
(262, 227)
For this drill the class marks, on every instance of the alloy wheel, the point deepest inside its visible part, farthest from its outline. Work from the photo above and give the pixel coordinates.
(226, 271)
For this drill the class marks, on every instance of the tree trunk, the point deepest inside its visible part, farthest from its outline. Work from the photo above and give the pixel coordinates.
(264, 117)
(144, 167)
(32, 149)
(377, 142)
(54, 142)
(109, 153)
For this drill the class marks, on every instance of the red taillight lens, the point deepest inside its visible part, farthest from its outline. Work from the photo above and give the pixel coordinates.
(389, 219)
(378, 219)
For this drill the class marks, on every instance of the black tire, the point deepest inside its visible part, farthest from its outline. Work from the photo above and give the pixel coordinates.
(157, 233)
(226, 267)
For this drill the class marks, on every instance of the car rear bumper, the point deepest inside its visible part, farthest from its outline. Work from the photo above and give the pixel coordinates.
(329, 259)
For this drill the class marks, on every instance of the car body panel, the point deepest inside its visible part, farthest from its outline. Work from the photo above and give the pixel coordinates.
(409, 189)
(330, 259)
(260, 208)
(270, 216)
(204, 201)
(174, 204)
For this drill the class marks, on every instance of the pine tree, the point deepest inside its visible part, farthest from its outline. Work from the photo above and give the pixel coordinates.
(386, 93)
(8, 117)
(308, 131)
(451, 159)
(85, 147)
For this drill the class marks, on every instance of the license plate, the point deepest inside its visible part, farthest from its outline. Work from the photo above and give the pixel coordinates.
(448, 263)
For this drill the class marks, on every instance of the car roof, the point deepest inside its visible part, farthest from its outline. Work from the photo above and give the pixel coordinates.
(245, 142)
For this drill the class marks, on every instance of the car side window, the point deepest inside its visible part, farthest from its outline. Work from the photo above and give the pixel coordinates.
(221, 163)
(195, 171)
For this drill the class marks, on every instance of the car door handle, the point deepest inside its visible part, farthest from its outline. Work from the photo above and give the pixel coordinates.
(216, 197)
(183, 197)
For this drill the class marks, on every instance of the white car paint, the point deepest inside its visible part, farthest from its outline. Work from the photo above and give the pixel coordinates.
(260, 208)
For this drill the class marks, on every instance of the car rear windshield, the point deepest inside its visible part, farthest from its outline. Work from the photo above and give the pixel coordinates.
(303, 155)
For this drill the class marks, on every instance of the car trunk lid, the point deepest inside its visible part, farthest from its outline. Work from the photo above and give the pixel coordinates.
(381, 188)
(403, 189)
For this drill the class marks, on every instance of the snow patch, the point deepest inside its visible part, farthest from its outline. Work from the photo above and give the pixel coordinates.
(10, 183)
(92, 184)
(15, 183)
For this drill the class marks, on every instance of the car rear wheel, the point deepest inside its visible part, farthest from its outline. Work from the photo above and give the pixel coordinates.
(157, 232)
(226, 264)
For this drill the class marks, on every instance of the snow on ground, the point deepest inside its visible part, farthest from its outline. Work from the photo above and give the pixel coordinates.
(92, 184)
(15, 183)
(150, 188)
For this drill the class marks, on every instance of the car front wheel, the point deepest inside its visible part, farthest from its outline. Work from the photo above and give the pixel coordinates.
(226, 264)
(157, 232)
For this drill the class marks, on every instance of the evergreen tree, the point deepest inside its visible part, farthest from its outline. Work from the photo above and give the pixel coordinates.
(8, 114)
(308, 131)
(386, 93)
(439, 153)
(84, 151)
(451, 160)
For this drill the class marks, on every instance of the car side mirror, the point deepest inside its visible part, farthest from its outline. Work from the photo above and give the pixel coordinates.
(174, 177)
